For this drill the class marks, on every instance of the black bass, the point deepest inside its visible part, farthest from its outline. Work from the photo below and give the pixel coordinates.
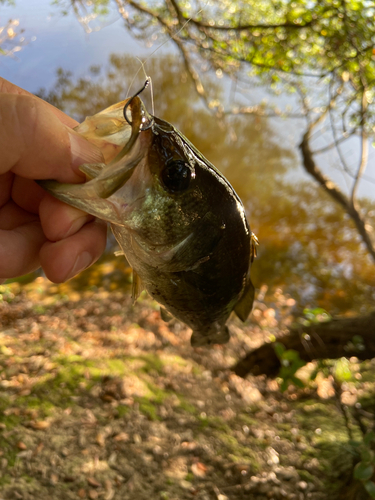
(176, 218)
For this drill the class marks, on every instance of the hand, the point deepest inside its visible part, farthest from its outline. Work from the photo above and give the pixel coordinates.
(37, 142)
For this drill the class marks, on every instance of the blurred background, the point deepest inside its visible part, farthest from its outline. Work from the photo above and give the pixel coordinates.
(99, 398)
(83, 56)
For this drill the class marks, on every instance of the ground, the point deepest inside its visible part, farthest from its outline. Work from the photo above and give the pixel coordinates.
(102, 399)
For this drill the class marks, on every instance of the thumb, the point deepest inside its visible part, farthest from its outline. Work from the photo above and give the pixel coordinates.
(35, 144)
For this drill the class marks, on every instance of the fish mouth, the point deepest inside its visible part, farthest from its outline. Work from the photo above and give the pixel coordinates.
(96, 195)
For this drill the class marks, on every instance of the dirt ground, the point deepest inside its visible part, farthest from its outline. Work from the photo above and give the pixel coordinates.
(100, 399)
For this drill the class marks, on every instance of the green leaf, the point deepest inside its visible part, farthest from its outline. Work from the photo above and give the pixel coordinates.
(367, 456)
(284, 385)
(363, 471)
(279, 349)
(291, 355)
(370, 436)
(370, 488)
(317, 315)
(342, 370)
(297, 382)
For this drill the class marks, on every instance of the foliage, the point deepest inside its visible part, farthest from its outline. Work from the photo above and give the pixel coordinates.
(330, 38)
(87, 12)
(290, 363)
(315, 315)
(11, 38)
(117, 401)
(306, 244)
(322, 51)
(364, 470)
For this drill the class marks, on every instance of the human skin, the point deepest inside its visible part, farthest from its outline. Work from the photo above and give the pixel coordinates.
(36, 230)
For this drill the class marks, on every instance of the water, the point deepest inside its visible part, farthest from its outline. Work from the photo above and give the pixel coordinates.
(59, 41)
(307, 243)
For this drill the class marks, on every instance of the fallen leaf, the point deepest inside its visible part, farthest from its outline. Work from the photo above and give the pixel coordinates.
(39, 448)
(93, 482)
(199, 469)
(100, 439)
(54, 478)
(122, 436)
(109, 495)
(40, 424)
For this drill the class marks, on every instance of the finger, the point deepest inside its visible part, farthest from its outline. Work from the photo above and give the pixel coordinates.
(12, 216)
(27, 194)
(9, 88)
(36, 145)
(64, 259)
(60, 220)
(19, 250)
(6, 182)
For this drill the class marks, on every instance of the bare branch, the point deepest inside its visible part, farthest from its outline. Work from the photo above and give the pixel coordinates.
(336, 140)
(238, 27)
(364, 149)
(334, 191)
(333, 144)
(249, 27)
(191, 71)
(261, 111)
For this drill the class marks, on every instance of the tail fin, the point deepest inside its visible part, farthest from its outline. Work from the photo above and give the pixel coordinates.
(218, 334)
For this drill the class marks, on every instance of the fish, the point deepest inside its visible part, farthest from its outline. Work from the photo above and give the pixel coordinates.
(176, 218)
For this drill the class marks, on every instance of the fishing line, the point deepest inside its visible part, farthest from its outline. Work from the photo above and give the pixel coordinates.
(150, 83)
(152, 53)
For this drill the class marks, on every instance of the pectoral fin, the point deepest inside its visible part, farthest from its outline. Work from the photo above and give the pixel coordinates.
(245, 304)
(194, 250)
(92, 170)
(137, 286)
(165, 316)
(82, 196)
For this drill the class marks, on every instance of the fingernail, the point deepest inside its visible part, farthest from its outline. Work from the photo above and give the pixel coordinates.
(83, 261)
(82, 150)
(77, 223)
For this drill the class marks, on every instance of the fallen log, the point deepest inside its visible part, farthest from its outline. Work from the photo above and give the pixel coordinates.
(326, 340)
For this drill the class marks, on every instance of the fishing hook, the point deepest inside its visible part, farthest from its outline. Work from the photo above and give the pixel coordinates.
(129, 102)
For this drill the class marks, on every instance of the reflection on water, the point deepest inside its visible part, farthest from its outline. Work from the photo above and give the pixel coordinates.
(307, 243)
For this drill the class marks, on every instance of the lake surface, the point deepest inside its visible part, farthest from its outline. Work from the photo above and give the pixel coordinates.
(306, 242)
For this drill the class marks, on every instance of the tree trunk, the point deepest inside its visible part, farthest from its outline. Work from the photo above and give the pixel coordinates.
(350, 206)
(329, 340)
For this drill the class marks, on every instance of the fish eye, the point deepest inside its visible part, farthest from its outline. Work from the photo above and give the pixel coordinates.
(176, 176)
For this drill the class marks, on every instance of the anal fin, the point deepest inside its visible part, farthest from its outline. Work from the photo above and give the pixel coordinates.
(136, 286)
(245, 304)
(165, 315)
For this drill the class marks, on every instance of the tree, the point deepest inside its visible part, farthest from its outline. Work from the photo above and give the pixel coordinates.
(297, 46)
(322, 52)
